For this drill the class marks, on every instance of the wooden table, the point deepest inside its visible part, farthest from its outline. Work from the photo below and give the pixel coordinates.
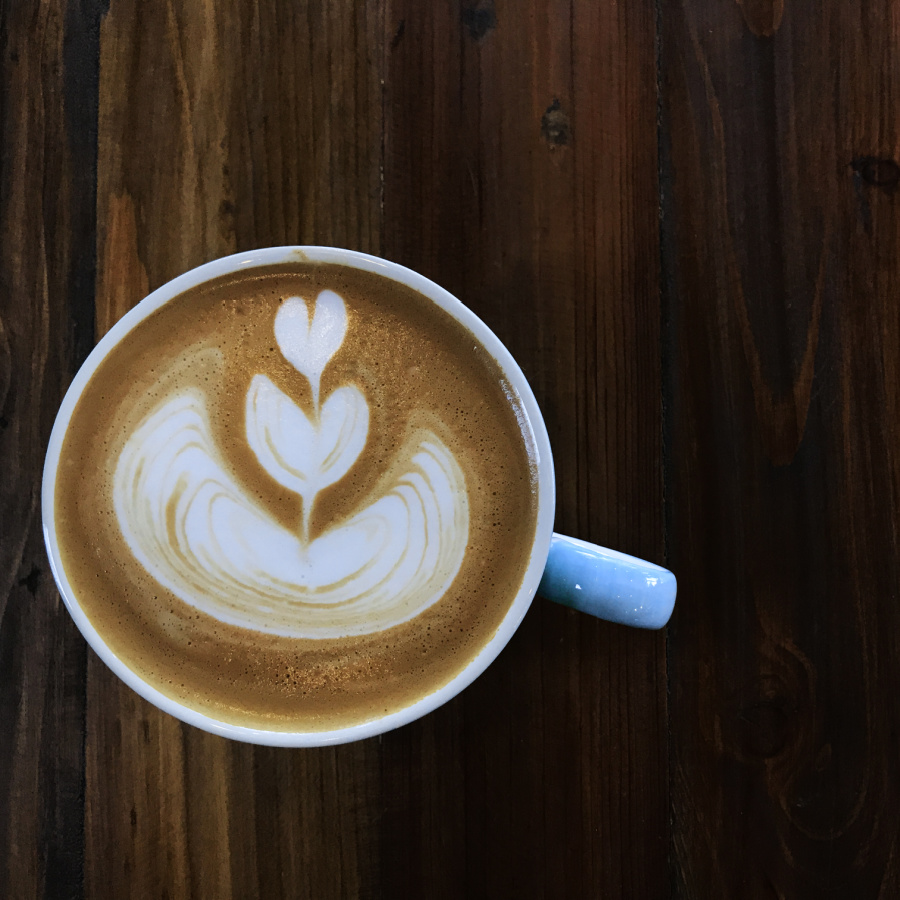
(683, 220)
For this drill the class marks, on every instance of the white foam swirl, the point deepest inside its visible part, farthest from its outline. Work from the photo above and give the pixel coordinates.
(302, 455)
(191, 524)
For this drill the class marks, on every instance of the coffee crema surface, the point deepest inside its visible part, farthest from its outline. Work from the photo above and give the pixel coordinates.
(297, 498)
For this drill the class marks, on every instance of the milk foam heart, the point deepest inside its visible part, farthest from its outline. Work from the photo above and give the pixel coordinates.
(309, 341)
(196, 530)
(302, 455)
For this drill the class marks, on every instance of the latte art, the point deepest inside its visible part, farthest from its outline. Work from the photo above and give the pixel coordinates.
(306, 456)
(301, 455)
(193, 527)
(296, 497)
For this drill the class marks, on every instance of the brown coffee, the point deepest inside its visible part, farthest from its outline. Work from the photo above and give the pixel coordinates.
(297, 498)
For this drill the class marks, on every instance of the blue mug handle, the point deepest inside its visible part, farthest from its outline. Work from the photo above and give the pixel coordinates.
(607, 584)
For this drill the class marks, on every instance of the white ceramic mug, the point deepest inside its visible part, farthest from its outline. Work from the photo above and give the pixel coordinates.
(598, 581)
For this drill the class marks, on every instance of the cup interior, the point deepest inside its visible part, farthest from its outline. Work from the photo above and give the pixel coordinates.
(446, 301)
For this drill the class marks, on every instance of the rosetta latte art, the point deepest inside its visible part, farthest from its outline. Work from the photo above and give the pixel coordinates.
(192, 526)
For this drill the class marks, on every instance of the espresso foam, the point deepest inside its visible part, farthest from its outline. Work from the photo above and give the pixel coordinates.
(436, 413)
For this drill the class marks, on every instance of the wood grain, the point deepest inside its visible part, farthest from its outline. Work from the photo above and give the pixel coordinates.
(47, 189)
(780, 239)
(720, 385)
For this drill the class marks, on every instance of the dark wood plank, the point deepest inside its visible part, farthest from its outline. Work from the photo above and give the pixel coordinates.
(780, 249)
(48, 129)
(520, 173)
(224, 127)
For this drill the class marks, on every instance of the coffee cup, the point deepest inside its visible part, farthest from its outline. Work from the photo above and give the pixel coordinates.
(300, 496)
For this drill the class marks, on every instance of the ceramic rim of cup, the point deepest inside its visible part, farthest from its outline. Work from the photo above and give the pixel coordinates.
(446, 301)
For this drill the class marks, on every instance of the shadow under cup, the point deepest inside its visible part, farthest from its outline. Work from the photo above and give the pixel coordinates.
(534, 555)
